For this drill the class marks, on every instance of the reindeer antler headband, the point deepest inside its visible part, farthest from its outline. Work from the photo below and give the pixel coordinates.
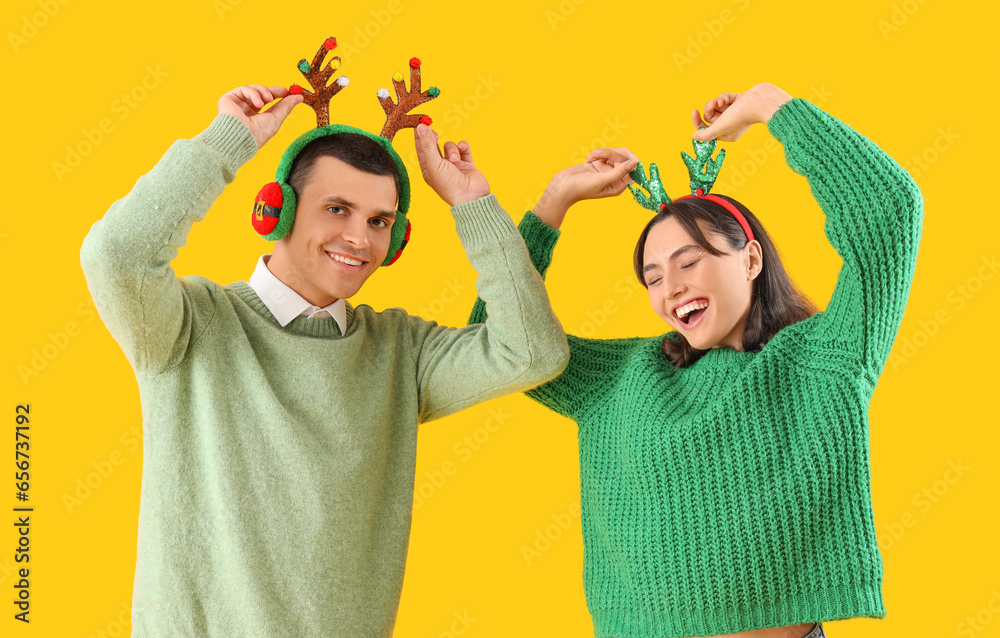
(274, 206)
(702, 170)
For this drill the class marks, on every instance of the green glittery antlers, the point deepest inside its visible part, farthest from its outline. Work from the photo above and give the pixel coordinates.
(702, 169)
(657, 197)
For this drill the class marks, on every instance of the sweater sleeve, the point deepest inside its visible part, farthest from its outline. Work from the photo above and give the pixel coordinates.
(874, 215)
(522, 343)
(540, 239)
(153, 314)
(592, 362)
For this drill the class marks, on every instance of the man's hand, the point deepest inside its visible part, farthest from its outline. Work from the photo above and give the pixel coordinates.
(731, 114)
(453, 175)
(603, 174)
(246, 102)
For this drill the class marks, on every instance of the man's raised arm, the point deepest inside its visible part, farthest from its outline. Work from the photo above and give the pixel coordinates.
(126, 255)
(522, 343)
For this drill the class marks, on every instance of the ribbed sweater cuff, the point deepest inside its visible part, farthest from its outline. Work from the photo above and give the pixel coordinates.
(540, 238)
(790, 116)
(230, 138)
(483, 221)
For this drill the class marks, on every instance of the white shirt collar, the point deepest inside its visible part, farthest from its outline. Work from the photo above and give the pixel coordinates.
(286, 304)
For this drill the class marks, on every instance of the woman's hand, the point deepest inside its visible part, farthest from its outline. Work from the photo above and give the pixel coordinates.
(453, 175)
(731, 114)
(603, 174)
(246, 102)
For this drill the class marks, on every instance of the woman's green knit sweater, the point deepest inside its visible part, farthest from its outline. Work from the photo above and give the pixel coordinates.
(734, 494)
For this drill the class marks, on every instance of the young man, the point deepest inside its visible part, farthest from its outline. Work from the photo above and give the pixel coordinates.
(279, 420)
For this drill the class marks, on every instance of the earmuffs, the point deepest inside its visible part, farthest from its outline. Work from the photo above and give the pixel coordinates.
(274, 206)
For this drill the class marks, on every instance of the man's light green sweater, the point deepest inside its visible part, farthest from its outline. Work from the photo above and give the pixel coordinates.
(278, 463)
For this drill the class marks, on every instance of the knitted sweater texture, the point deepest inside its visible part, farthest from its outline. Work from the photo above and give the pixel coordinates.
(734, 494)
(278, 463)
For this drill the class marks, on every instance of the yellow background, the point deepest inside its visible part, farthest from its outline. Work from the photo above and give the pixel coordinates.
(533, 86)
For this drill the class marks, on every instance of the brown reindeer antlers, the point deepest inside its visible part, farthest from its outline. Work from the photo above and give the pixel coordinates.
(397, 114)
(318, 76)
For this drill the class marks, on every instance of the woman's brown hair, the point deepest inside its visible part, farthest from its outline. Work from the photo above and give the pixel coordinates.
(775, 301)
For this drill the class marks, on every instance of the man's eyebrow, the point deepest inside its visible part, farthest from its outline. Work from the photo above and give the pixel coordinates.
(337, 199)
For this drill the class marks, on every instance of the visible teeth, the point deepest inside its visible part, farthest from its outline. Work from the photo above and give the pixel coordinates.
(694, 305)
(346, 260)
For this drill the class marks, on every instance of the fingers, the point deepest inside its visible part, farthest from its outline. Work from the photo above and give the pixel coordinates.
(428, 153)
(451, 152)
(251, 94)
(697, 119)
(716, 106)
(616, 180)
(465, 151)
(621, 170)
(610, 155)
(254, 97)
(705, 134)
(284, 107)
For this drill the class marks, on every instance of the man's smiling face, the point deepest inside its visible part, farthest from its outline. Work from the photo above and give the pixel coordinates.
(341, 233)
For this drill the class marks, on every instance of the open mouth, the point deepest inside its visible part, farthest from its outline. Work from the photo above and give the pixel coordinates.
(348, 263)
(690, 315)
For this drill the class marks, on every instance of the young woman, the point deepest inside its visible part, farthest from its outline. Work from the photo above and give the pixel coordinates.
(724, 465)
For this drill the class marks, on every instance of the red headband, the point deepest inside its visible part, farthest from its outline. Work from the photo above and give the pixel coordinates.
(718, 200)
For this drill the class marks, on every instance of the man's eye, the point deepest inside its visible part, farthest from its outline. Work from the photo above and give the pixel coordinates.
(335, 209)
(381, 223)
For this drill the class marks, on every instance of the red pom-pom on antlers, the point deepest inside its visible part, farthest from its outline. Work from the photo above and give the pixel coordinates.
(319, 76)
(295, 89)
(397, 113)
